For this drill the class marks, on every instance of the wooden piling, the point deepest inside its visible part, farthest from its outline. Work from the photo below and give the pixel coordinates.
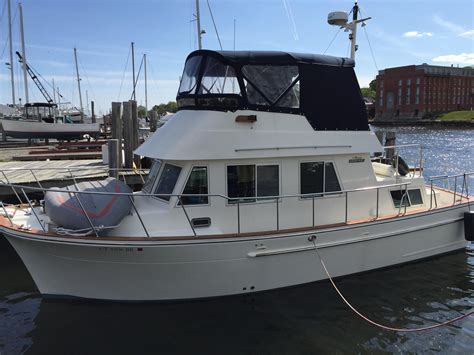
(113, 150)
(93, 112)
(127, 134)
(117, 128)
(390, 139)
(135, 135)
(153, 116)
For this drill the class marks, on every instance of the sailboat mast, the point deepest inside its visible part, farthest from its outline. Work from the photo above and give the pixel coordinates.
(79, 85)
(23, 52)
(133, 70)
(146, 85)
(12, 72)
(198, 24)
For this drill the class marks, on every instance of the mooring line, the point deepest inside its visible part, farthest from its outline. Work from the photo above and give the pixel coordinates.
(406, 330)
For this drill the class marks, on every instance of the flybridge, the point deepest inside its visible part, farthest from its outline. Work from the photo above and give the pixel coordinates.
(322, 88)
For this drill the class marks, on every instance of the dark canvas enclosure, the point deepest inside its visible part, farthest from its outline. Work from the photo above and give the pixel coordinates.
(322, 88)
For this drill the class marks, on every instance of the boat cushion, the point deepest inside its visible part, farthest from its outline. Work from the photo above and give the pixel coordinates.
(64, 209)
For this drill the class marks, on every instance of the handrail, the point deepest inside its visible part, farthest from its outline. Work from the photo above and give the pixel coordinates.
(239, 200)
(464, 186)
(317, 194)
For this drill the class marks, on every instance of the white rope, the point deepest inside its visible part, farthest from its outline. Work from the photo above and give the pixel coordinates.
(405, 330)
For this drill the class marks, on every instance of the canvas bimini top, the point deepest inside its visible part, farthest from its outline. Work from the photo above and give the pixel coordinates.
(322, 88)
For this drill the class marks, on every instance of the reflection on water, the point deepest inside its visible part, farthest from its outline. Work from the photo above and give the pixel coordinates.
(300, 320)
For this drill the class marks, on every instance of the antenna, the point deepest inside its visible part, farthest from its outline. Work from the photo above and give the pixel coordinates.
(341, 18)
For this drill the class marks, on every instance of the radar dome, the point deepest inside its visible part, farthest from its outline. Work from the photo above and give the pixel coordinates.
(338, 18)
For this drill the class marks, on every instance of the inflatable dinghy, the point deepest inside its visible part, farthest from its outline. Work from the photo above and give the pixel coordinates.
(104, 211)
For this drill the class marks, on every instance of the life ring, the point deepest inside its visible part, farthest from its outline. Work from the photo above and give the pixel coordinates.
(403, 168)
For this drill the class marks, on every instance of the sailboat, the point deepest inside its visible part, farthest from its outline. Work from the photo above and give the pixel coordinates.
(39, 119)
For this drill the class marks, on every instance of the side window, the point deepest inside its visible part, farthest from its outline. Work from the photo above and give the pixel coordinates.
(196, 185)
(268, 180)
(241, 181)
(412, 198)
(155, 169)
(252, 181)
(415, 197)
(311, 177)
(167, 181)
(330, 179)
(318, 177)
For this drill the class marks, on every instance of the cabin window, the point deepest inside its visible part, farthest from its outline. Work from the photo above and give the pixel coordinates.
(190, 74)
(413, 197)
(318, 177)
(155, 169)
(167, 181)
(248, 181)
(218, 79)
(271, 85)
(196, 185)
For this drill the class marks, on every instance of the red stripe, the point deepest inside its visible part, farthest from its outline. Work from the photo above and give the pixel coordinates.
(101, 213)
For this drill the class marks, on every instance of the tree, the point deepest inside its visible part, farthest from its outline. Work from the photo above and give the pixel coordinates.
(373, 85)
(161, 109)
(141, 111)
(368, 92)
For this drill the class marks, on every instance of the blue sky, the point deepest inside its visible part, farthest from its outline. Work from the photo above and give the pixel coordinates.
(401, 32)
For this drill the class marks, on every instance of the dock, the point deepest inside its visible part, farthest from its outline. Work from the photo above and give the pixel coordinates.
(59, 173)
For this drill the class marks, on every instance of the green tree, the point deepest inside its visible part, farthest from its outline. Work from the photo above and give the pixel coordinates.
(373, 85)
(161, 109)
(141, 111)
(368, 92)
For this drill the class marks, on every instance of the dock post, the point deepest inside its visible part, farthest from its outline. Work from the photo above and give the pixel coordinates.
(153, 115)
(117, 129)
(127, 134)
(113, 150)
(93, 112)
(390, 141)
(135, 135)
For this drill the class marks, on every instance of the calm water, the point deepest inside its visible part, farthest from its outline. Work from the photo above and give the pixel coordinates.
(300, 320)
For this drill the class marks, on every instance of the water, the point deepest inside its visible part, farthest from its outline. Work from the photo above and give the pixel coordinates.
(301, 320)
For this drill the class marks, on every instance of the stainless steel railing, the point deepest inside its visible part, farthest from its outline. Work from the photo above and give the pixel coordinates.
(418, 163)
(238, 202)
(447, 178)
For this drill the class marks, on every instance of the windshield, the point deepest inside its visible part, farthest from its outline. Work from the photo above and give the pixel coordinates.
(190, 74)
(218, 79)
(155, 169)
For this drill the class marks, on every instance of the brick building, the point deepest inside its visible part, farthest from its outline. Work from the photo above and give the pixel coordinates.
(415, 91)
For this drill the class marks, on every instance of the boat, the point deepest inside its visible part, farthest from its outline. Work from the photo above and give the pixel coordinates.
(268, 159)
(39, 121)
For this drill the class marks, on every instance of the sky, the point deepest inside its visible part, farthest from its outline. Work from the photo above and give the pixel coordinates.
(402, 32)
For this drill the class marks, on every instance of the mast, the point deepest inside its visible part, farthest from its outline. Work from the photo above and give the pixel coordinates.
(12, 73)
(234, 35)
(133, 70)
(146, 88)
(353, 34)
(87, 102)
(198, 24)
(23, 52)
(340, 18)
(79, 85)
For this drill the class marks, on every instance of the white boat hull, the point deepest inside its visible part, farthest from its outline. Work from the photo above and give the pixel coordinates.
(157, 270)
(32, 129)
